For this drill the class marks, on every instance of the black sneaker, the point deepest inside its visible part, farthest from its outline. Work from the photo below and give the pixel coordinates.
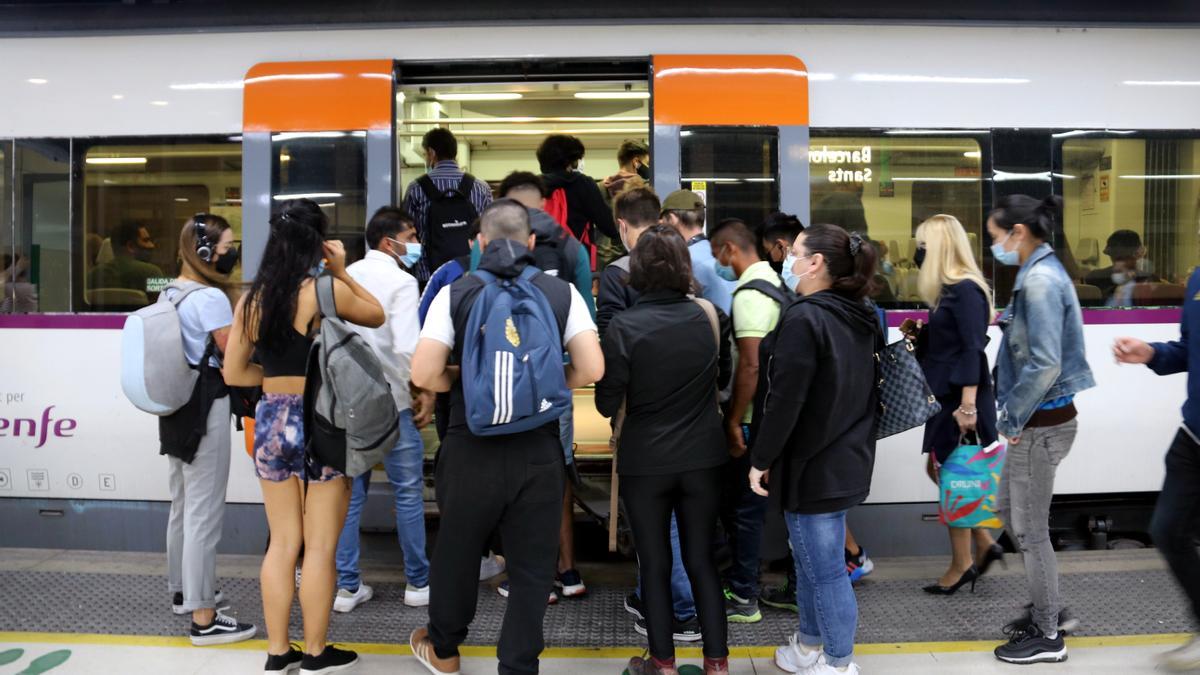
(683, 631)
(222, 630)
(570, 584)
(1067, 622)
(284, 663)
(633, 605)
(780, 597)
(330, 661)
(1029, 645)
(177, 602)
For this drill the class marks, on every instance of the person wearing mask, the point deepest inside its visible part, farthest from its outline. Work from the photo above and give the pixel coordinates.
(443, 174)
(130, 267)
(633, 162)
(196, 438)
(814, 451)
(664, 365)
(775, 239)
(1174, 525)
(277, 319)
(684, 211)
(393, 249)
(587, 214)
(950, 349)
(1116, 282)
(637, 210)
(558, 253)
(1040, 367)
(511, 483)
(755, 314)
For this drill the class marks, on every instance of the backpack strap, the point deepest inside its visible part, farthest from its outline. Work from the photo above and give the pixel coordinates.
(185, 289)
(466, 186)
(326, 306)
(427, 186)
(710, 311)
(766, 288)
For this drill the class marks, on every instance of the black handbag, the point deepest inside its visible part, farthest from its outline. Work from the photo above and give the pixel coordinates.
(905, 399)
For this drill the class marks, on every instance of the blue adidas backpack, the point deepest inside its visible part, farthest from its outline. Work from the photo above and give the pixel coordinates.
(512, 366)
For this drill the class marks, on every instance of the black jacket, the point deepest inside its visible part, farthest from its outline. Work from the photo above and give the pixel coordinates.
(615, 294)
(585, 203)
(817, 434)
(660, 359)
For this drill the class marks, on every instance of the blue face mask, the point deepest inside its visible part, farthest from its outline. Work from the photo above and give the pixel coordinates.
(1005, 257)
(789, 277)
(412, 253)
(724, 271)
(318, 269)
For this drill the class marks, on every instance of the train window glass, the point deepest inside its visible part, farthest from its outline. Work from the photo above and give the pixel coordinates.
(39, 278)
(328, 167)
(500, 125)
(136, 199)
(7, 235)
(885, 186)
(734, 169)
(1131, 209)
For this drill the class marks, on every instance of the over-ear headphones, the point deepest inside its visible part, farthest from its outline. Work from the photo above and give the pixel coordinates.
(204, 247)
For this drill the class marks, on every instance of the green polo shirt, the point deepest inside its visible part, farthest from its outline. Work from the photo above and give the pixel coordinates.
(755, 314)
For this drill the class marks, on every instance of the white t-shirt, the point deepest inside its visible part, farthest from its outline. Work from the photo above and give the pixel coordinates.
(200, 313)
(395, 340)
(439, 325)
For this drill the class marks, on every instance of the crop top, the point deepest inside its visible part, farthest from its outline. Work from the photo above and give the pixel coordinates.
(289, 361)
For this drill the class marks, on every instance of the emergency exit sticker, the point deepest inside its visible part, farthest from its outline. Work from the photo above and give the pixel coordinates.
(701, 188)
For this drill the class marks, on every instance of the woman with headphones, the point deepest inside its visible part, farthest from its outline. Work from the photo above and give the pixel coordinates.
(196, 438)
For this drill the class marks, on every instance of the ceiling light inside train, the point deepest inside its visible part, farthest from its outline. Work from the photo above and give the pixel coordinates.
(308, 195)
(294, 135)
(481, 96)
(602, 95)
(116, 160)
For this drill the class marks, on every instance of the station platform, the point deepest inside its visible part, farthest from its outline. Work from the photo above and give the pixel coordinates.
(104, 612)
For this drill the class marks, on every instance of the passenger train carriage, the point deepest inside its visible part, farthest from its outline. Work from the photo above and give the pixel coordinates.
(97, 132)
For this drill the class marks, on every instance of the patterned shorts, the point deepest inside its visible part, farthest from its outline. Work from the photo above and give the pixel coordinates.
(279, 440)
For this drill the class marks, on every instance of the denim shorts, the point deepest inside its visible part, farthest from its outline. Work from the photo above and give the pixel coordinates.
(279, 440)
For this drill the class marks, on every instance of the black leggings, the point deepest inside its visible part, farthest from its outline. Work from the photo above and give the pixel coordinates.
(695, 497)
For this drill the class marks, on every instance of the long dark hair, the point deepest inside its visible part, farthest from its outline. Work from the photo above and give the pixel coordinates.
(1039, 217)
(849, 257)
(294, 247)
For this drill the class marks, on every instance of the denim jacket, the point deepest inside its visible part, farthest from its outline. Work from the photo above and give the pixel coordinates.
(1042, 355)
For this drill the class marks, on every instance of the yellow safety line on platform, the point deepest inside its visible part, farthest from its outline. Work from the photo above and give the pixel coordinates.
(589, 652)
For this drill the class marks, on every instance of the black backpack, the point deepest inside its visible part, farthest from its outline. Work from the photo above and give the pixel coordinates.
(557, 254)
(449, 217)
(766, 349)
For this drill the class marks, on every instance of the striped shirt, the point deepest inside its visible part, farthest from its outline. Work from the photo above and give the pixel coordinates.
(446, 175)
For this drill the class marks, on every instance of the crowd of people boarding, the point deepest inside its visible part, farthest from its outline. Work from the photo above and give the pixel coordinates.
(736, 360)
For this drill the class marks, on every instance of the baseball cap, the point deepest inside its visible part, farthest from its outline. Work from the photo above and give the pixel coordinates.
(682, 200)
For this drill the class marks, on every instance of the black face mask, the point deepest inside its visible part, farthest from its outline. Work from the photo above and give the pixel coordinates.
(776, 265)
(644, 172)
(225, 263)
(919, 257)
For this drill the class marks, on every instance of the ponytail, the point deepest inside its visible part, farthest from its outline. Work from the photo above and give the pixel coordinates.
(849, 257)
(1041, 218)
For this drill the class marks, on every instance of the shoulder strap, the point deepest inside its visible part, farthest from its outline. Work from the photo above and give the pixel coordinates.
(529, 273)
(711, 312)
(429, 188)
(484, 276)
(326, 305)
(466, 185)
(185, 289)
(765, 287)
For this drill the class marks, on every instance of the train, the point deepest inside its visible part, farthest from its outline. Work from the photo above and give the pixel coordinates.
(902, 121)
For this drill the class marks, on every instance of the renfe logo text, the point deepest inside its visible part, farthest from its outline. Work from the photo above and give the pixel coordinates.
(23, 426)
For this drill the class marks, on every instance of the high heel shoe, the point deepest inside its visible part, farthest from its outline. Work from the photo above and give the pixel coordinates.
(968, 577)
(994, 553)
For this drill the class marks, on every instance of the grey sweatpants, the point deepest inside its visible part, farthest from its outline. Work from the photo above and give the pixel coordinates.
(1026, 487)
(197, 512)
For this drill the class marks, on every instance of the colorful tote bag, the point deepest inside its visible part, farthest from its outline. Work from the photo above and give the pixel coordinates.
(968, 482)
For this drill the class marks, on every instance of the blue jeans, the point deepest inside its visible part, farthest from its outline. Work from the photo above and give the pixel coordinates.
(405, 466)
(681, 586)
(828, 608)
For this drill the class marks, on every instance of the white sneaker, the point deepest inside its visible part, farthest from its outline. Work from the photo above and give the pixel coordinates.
(491, 566)
(347, 600)
(1183, 658)
(822, 668)
(415, 596)
(794, 657)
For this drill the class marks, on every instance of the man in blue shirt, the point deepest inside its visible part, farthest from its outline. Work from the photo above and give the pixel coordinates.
(1175, 526)
(684, 211)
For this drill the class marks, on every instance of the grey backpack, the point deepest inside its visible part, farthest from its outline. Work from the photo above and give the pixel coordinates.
(155, 374)
(350, 417)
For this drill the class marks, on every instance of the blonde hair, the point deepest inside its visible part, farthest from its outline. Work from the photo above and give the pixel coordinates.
(948, 260)
(214, 227)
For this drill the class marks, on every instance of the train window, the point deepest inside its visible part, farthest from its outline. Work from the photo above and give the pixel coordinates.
(885, 186)
(136, 198)
(39, 277)
(734, 169)
(328, 167)
(7, 250)
(1131, 209)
